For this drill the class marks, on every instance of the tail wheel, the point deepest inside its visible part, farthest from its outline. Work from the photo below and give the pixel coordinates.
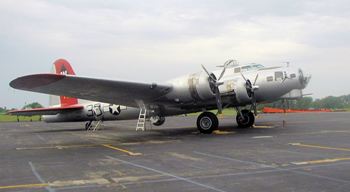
(247, 120)
(207, 122)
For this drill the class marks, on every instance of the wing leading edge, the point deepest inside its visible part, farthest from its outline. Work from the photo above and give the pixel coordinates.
(108, 91)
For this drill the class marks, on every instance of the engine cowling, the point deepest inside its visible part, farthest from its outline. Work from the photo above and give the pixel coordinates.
(194, 87)
(241, 93)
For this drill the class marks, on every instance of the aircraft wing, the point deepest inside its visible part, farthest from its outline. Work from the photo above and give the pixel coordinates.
(108, 91)
(45, 111)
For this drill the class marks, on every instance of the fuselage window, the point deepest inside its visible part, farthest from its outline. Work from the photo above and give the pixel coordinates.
(269, 78)
(106, 108)
(278, 75)
(293, 75)
(89, 110)
(237, 70)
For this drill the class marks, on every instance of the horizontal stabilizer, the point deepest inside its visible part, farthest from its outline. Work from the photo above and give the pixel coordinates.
(45, 111)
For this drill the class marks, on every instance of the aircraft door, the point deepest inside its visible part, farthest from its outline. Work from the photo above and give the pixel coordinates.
(89, 109)
(97, 110)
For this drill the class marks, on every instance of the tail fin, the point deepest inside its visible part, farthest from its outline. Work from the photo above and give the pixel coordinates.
(62, 66)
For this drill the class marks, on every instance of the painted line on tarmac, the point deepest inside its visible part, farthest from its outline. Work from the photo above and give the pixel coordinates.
(56, 147)
(37, 175)
(319, 147)
(25, 186)
(218, 132)
(167, 174)
(275, 169)
(216, 176)
(232, 159)
(122, 150)
(263, 127)
(262, 137)
(321, 161)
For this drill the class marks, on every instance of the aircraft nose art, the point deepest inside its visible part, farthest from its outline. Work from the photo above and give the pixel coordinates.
(34, 81)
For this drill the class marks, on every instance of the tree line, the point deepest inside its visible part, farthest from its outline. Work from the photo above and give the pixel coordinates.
(330, 102)
(33, 105)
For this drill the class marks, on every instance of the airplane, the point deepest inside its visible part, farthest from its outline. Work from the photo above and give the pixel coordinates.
(234, 86)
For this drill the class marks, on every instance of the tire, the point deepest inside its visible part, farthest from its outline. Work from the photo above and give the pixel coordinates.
(207, 122)
(158, 120)
(247, 121)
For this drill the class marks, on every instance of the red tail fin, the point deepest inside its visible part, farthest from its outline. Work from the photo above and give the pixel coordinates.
(62, 66)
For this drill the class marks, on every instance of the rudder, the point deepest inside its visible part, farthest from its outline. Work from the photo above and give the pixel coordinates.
(62, 67)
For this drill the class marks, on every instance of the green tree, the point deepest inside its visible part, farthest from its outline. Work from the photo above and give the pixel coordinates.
(304, 103)
(2, 110)
(32, 106)
(331, 102)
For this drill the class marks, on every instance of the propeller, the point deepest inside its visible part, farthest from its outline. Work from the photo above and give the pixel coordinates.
(215, 83)
(251, 88)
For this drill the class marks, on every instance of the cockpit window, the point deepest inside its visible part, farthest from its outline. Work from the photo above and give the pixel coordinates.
(269, 78)
(250, 67)
(257, 66)
(246, 68)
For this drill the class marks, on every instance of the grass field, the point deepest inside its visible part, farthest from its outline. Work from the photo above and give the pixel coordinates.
(13, 118)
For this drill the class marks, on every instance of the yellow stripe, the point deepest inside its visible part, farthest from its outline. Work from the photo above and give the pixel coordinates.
(320, 147)
(25, 186)
(122, 150)
(218, 132)
(262, 127)
(321, 161)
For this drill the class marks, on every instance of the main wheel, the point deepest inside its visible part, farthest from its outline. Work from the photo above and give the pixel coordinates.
(247, 120)
(157, 120)
(207, 122)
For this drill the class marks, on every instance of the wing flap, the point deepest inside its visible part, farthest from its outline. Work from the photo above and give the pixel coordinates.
(108, 91)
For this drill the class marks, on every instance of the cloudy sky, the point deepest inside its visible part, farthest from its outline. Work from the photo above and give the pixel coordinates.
(156, 40)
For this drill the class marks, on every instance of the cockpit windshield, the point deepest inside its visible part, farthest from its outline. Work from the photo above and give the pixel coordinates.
(251, 67)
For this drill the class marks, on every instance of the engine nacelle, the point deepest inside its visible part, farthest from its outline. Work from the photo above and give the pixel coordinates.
(194, 87)
(241, 93)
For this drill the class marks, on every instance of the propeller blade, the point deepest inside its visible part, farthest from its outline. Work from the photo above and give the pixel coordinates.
(226, 64)
(209, 74)
(222, 73)
(256, 78)
(243, 77)
(205, 70)
(218, 101)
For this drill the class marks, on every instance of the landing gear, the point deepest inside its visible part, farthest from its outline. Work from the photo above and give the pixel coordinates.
(207, 122)
(157, 120)
(245, 119)
(88, 125)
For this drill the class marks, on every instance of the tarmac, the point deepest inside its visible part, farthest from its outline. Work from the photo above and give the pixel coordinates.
(294, 152)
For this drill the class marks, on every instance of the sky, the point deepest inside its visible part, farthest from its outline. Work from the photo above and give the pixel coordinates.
(156, 40)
